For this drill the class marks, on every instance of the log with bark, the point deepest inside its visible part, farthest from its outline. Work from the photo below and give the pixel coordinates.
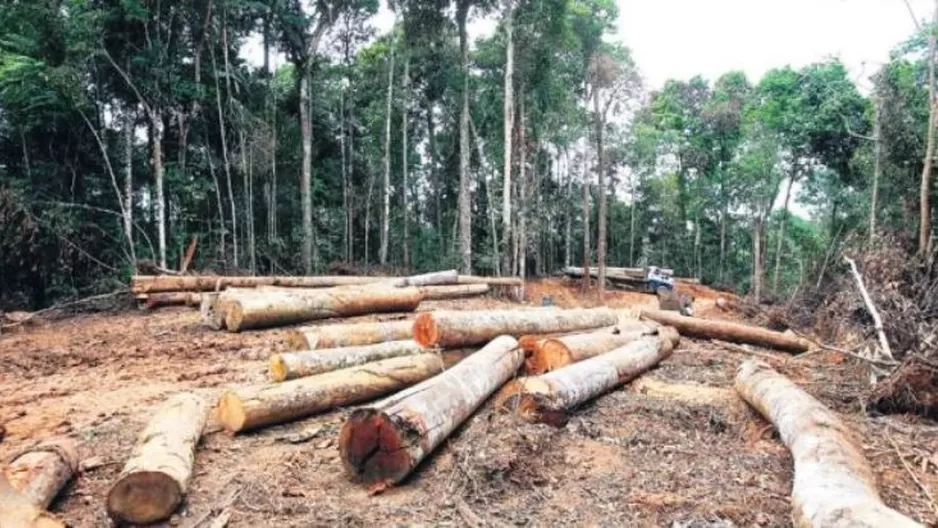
(156, 300)
(258, 406)
(172, 283)
(548, 398)
(16, 511)
(447, 329)
(727, 331)
(834, 484)
(456, 291)
(270, 309)
(348, 335)
(156, 476)
(546, 354)
(381, 444)
(40, 472)
(305, 363)
(428, 279)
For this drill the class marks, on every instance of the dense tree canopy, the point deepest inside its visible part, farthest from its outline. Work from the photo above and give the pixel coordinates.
(128, 128)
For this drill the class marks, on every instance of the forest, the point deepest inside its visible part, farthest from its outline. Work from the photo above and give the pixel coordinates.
(129, 128)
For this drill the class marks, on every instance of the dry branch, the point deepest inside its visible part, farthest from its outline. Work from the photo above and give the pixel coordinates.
(727, 331)
(834, 485)
(383, 443)
(41, 471)
(448, 329)
(548, 397)
(877, 320)
(348, 335)
(258, 406)
(310, 362)
(156, 475)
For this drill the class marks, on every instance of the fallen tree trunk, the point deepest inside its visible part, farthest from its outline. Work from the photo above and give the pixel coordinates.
(41, 471)
(155, 300)
(262, 405)
(16, 511)
(548, 397)
(156, 476)
(428, 279)
(727, 331)
(466, 328)
(457, 291)
(834, 485)
(310, 362)
(270, 309)
(348, 335)
(385, 442)
(547, 354)
(166, 283)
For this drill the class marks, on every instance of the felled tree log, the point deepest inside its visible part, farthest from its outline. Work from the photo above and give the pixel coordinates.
(456, 291)
(349, 335)
(428, 279)
(385, 442)
(310, 362)
(16, 511)
(727, 331)
(547, 354)
(262, 405)
(834, 485)
(447, 329)
(156, 476)
(40, 472)
(546, 398)
(166, 283)
(155, 300)
(269, 309)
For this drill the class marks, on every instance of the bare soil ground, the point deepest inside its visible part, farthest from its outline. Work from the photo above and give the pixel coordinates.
(626, 459)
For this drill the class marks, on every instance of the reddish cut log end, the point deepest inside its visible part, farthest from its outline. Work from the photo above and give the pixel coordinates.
(511, 398)
(425, 330)
(296, 340)
(548, 355)
(276, 368)
(144, 498)
(231, 413)
(234, 317)
(528, 343)
(374, 449)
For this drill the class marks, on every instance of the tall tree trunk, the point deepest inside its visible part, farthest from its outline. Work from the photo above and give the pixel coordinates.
(386, 184)
(924, 235)
(523, 197)
(370, 192)
(877, 160)
(781, 230)
(509, 117)
(490, 197)
(343, 145)
(156, 143)
(273, 168)
(632, 207)
(405, 191)
(757, 257)
(723, 218)
(221, 205)
(436, 178)
(568, 213)
(129, 181)
(227, 161)
(306, 176)
(350, 212)
(587, 256)
(465, 198)
(601, 169)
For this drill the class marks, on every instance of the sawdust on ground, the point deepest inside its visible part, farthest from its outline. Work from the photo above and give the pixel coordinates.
(628, 458)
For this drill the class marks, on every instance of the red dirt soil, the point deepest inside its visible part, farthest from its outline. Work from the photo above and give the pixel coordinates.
(624, 459)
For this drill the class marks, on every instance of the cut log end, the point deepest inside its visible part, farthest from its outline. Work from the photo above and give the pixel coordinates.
(234, 317)
(144, 497)
(513, 397)
(549, 354)
(299, 340)
(426, 331)
(374, 449)
(277, 368)
(231, 413)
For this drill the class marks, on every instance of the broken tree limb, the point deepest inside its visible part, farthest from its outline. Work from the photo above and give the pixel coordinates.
(456, 291)
(258, 406)
(447, 329)
(156, 476)
(727, 331)
(348, 335)
(547, 354)
(40, 472)
(269, 309)
(16, 511)
(385, 442)
(548, 398)
(311, 362)
(874, 313)
(834, 485)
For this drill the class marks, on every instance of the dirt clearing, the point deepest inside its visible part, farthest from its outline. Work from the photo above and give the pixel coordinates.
(636, 456)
